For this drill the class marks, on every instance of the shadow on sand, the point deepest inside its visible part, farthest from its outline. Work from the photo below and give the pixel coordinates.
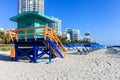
(4, 57)
(75, 53)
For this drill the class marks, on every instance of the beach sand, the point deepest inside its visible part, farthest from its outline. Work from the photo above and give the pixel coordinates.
(97, 65)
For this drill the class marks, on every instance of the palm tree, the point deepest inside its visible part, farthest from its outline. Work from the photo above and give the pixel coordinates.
(3, 37)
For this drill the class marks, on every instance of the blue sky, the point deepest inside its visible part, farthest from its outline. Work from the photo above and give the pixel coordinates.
(100, 17)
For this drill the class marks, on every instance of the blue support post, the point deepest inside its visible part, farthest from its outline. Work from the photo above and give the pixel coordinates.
(34, 54)
(16, 53)
(50, 54)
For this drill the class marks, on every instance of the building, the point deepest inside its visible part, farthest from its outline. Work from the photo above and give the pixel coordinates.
(30, 5)
(56, 26)
(87, 37)
(67, 36)
(74, 34)
(70, 31)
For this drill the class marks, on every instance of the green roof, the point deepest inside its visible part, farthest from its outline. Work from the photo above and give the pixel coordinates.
(32, 14)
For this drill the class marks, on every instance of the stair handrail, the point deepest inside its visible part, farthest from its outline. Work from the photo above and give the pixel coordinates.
(11, 35)
(53, 36)
(47, 32)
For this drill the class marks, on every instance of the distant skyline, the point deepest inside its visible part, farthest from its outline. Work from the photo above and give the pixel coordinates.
(100, 17)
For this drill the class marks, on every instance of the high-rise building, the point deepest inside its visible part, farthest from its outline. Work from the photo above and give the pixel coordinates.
(30, 5)
(74, 34)
(56, 26)
(66, 36)
(87, 37)
(70, 31)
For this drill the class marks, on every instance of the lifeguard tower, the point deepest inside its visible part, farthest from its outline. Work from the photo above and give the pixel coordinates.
(33, 39)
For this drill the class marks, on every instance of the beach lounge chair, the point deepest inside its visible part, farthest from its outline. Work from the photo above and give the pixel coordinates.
(85, 51)
(91, 49)
(80, 51)
(88, 49)
(115, 51)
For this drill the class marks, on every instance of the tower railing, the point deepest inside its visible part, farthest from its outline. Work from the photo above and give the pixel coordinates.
(46, 32)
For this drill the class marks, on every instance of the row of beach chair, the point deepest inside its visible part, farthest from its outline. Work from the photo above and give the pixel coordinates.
(86, 50)
(82, 50)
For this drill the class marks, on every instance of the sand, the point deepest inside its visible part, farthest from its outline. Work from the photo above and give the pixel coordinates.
(97, 65)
